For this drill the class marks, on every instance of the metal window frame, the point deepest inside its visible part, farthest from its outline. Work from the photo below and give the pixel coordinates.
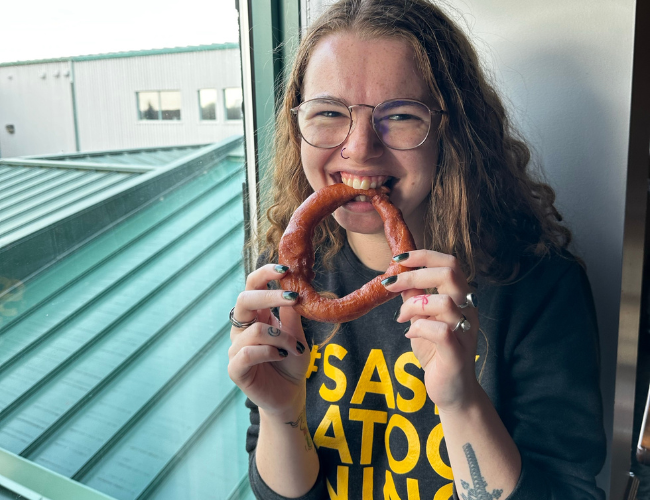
(267, 51)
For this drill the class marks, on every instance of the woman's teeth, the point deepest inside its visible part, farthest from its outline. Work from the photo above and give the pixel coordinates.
(365, 182)
(361, 197)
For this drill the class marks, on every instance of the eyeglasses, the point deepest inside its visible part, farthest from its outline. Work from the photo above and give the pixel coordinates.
(399, 123)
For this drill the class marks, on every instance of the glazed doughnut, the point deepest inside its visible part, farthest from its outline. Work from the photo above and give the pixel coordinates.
(296, 250)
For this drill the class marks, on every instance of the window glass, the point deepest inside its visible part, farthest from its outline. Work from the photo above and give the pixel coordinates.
(148, 106)
(170, 105)
(208, 104)
(233, 102)
(121, 239)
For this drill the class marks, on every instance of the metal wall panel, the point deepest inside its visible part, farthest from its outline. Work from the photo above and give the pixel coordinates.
(107, 108)
(37, 100)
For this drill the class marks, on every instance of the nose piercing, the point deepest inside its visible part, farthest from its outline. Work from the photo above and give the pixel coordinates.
(344, 157)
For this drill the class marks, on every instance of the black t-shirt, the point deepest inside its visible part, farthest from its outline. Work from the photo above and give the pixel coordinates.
(378, 434)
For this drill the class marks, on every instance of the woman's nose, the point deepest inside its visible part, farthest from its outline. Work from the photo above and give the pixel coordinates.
(362, 143)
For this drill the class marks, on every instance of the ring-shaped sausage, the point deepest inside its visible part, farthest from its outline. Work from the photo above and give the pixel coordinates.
(296, 251)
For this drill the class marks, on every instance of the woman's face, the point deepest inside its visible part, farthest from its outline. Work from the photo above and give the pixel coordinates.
(356, 71)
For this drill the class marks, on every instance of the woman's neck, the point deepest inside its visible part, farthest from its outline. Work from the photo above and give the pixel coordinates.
(373, 250)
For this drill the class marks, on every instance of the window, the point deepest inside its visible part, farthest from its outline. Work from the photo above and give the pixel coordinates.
(208, 104)
(159, 105)
(233, 100)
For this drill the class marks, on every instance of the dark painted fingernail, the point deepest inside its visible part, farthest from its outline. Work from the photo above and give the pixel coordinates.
(406, 330)
(401, 257)
(290, 295)
(279, 268)
(396, 315)
(389, 281)
(300, 347)
(283, 352)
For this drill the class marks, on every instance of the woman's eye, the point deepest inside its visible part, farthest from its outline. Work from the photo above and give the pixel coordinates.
(400, 117)
(330, 114)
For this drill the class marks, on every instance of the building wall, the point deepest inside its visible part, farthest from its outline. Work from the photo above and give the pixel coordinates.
(37, 100)
(107, 107)
(565, 70)
(41, 109)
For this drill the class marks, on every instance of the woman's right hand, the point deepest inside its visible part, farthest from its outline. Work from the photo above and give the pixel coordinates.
(269, 359)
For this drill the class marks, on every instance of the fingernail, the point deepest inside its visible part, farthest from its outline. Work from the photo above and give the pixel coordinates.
(396, 315)
(389, 281)
(283, 352)
(290, 295)
(279, 268)
(401, 257)
(300, 347)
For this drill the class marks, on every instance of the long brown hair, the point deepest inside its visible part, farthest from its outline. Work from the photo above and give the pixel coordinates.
(486, 207)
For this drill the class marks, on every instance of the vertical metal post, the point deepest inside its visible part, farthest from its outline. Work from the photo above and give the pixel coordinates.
(74, 107)
(633, 252)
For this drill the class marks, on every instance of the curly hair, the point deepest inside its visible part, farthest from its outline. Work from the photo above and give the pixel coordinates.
(486, 207)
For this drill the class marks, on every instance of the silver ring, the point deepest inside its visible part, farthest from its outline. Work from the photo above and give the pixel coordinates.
(462, 323)
(239, 324)
(471, 300)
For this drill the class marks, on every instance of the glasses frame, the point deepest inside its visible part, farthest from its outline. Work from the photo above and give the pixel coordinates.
(294, 112)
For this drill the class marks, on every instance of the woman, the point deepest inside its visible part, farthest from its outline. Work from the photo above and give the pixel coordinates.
(391, 92)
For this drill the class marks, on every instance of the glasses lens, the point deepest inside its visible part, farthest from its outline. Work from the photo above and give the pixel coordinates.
(323, 123)
(402, 124)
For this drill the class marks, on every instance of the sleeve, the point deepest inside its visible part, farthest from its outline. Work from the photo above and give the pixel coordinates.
(258, 486)
(553, 405)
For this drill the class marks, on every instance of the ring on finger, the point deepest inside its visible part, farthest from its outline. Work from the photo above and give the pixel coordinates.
(462, 323)
(471, 300)
(239, 324)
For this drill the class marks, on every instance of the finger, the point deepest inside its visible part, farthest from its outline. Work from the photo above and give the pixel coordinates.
(437, 306)
(290, 320)
(263, 334)
(437, 332)
(258, 279)
(251, 301)
(428, 258)
(249, 356)
(444, 279)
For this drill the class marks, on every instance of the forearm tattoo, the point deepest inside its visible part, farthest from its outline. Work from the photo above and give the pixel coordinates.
(479, 490)
(301, 424)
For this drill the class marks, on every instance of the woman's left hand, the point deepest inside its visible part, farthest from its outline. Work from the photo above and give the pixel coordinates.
(444, 349)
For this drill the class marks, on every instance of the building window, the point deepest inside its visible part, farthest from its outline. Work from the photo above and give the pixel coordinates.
(159, 105)
(233, 100)
(208, 104)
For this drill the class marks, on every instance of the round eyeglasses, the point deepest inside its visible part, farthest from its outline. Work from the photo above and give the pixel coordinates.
(399, 123)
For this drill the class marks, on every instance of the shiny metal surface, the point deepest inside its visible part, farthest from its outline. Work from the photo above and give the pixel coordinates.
(633, 252)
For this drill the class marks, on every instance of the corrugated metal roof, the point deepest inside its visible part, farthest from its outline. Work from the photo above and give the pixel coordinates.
(156, 157)
(113, 365)
(29, 194)
(130, 53)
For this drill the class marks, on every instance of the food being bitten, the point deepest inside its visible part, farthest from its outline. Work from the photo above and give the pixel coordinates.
(296, 250)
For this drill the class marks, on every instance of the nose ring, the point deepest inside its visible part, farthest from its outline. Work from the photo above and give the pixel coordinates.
(344, 157)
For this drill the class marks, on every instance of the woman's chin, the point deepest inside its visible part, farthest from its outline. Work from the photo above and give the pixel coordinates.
(366, 222)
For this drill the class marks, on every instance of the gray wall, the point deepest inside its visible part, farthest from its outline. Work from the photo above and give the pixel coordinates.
(565, 69)
(42, 112)
(36, 99)
(106, 100)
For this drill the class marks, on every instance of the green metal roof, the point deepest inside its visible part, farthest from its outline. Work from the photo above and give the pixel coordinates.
(156, 156)
(113, 360)
(131, 53)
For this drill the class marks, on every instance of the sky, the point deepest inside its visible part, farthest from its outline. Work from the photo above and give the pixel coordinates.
(43, 29)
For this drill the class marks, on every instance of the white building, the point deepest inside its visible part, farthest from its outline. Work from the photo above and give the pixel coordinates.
(149, 98)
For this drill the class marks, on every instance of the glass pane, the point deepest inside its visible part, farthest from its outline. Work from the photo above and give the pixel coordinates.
(208, 104)
(114, 295)
(233, 101)
(170, 103)
(148, 106)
